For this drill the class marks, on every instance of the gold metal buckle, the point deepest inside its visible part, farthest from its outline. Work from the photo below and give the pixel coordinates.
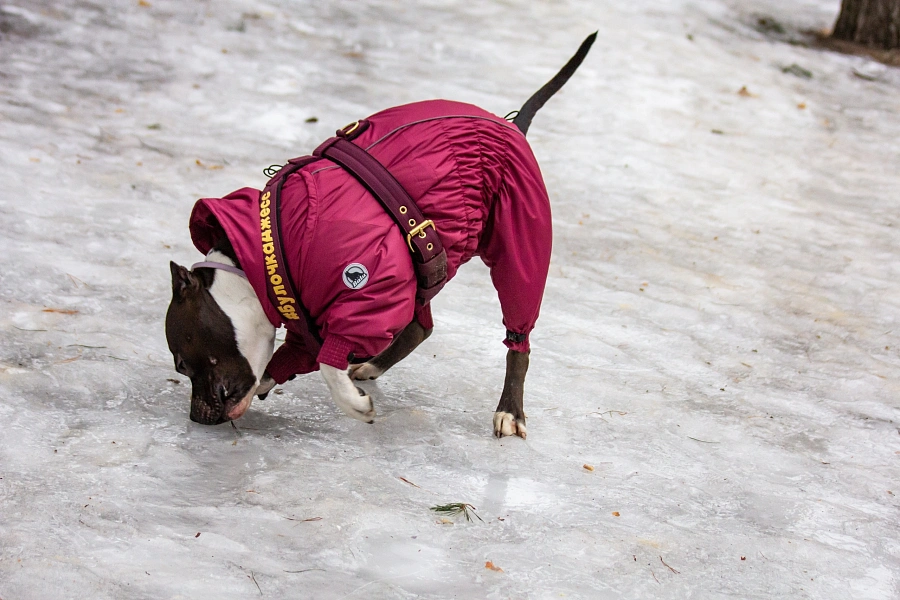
(420, 231)
(352, 127)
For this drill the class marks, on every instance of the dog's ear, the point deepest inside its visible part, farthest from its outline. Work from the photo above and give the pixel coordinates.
(183, 282)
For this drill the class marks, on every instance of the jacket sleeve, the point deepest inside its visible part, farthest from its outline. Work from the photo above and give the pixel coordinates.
(291, 358)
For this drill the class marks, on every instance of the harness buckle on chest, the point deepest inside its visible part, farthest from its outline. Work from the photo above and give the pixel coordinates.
(420, 231)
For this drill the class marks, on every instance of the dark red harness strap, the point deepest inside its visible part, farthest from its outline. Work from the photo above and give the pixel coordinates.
(429, 257)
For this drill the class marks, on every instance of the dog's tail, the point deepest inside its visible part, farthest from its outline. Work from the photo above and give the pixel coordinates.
(534, 104)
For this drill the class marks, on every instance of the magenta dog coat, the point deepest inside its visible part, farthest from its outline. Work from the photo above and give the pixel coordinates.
(469, 171)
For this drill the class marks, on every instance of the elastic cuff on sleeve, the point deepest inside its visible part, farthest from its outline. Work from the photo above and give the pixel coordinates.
(518, 342)
(288, 361)
(335, 352)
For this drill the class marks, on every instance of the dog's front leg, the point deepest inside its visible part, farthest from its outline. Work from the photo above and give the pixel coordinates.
(347, 396)
(510, 416)
(411, 336)
(265, 386)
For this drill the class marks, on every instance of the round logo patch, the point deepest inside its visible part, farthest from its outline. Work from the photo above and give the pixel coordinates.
(355, 276)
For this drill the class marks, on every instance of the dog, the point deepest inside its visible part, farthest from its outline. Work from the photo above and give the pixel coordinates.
(359, 309)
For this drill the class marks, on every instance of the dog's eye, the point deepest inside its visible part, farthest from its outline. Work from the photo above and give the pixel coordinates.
(212, 360)
(181, 367)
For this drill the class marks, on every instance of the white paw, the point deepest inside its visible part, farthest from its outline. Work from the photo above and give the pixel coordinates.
(506, 424)
(359, 407)
(265, 386)
(347, 396)
(365, 371)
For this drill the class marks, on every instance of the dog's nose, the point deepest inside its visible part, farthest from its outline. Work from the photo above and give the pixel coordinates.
(204, 414)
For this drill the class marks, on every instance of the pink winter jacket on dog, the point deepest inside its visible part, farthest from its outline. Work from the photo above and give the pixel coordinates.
(469, 171)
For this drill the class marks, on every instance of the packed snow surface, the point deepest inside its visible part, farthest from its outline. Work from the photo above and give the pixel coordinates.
(719, 340)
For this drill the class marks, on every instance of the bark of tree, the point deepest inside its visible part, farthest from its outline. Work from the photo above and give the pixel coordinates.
(873, 23)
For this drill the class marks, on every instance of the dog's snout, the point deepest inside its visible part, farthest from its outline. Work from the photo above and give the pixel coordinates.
(208, 405)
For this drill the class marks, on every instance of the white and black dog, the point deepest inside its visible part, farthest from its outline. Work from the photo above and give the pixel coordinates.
(222, 338)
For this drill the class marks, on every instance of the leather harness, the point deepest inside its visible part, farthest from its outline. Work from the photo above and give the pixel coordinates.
(428, 254)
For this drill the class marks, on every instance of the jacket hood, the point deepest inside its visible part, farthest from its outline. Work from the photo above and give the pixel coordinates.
(236, 216)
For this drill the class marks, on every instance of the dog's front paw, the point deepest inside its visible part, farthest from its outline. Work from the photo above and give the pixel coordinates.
(507, 424)
(265, 386)
(365, 371)
(349, 398)
(360, 407)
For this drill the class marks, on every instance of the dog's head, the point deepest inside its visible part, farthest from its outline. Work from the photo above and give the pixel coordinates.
(220, 337)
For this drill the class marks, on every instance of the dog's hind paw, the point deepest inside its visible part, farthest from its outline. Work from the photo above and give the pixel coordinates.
(365, 371)
(506, 424)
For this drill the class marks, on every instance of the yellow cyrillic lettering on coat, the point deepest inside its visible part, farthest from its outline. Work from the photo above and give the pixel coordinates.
(288, 311)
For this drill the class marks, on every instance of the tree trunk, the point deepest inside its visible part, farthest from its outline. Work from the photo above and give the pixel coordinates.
(873, 23)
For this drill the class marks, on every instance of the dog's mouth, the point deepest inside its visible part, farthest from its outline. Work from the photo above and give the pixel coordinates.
(221, 406)
(238, 410)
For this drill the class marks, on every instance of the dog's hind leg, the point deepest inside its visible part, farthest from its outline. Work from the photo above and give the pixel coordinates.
(510, 416)
(408, 340)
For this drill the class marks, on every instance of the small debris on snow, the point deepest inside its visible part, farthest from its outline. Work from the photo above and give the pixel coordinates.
(870, 71)
(797, 71)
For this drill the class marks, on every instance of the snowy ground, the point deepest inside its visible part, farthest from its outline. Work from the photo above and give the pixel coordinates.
(719, 336)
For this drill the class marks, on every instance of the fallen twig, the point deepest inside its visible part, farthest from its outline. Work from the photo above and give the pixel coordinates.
(654, 575)
(455, 508)
(702, 441)
(621, 413)
(155, 149)
(667, 566)
(257, 584)
(76, 280)
(405, 480)
(21, 329)
(305, 570)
